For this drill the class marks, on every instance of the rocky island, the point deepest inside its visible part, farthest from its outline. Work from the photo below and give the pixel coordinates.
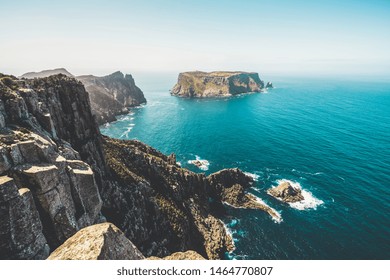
(216, 84)
(286, 192)
(64, 186)
(109, 95)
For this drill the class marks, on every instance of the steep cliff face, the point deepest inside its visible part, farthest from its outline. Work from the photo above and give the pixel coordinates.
(112, 95)
(109, 95)
(58, 175)
(216, 84)
(48, 192)
(152, 192)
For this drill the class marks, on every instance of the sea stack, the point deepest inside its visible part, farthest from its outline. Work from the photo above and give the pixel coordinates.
(286, 192)
(199, 84)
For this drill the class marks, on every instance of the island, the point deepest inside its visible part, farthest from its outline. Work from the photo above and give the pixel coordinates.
(199, 84)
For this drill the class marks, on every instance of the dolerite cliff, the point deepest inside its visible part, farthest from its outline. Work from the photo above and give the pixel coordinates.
(216, 84)
(109, 95)
(112, 95)
(58, 175)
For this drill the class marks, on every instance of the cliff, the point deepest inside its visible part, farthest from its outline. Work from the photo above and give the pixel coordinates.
(112, 95)
(58, 175)
(109, 95)
(46, 73)
(216, 84)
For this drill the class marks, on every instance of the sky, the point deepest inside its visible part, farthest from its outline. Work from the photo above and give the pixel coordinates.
(98, 37)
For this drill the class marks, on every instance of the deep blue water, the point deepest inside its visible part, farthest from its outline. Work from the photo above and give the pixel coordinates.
(331, 137)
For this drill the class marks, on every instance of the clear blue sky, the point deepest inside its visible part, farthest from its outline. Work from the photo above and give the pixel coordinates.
(99, 37)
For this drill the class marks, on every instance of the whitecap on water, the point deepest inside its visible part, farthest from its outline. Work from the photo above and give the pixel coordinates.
(277, 218)
(202, 164)
(254, 176)
(309, 201)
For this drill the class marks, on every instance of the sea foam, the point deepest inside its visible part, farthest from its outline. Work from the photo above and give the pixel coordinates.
(202, 164)
(254, 176)
(309, 202)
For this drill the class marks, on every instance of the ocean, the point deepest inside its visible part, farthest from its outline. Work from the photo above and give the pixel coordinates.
(329, 137)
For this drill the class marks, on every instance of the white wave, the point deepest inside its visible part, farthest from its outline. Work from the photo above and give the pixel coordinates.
(309, 201)
(278, 218)
(230, 233)
(126, 133)
(202, 164)
(255, 177)
(178, 163)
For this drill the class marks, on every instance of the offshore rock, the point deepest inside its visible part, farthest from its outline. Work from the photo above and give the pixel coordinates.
(98, 242)
(216, 84)
(230, 186)
(286, 193)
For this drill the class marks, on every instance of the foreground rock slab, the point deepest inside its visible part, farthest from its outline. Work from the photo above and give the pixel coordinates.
(98, 242)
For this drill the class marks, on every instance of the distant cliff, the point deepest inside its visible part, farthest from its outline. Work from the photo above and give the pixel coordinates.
(216, 84)
(59, 175)
(109, 95)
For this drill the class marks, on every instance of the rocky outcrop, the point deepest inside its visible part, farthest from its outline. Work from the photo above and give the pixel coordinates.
(286, 192)
(109, 95)
(231, 186)
(216, 84)
(97, 242)
(152, 192)
(188, 255)
(269, 85)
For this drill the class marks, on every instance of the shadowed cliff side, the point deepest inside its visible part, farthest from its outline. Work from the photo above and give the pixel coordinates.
(111, 95)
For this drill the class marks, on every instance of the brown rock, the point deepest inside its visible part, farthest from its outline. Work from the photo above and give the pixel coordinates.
(286, 193)
(97, 242)
(188, 255)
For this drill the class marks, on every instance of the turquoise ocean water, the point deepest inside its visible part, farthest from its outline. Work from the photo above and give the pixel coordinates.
(329, 137)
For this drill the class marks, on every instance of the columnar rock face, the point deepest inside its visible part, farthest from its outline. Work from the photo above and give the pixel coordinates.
(216, 84)
(49, 193)
(97, 242)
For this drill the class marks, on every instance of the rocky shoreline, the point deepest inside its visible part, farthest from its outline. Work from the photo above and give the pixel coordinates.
(61, 181)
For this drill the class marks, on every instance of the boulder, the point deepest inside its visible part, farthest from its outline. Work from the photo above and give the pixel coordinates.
(97, 242)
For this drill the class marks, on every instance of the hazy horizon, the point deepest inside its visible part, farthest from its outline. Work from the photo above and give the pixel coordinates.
(270, 37)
